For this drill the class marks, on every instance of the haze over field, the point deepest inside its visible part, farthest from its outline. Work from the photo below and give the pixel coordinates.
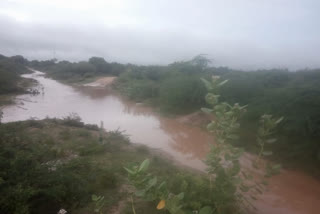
(242, 34)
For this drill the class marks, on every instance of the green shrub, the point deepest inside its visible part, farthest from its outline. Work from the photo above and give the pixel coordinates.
(182, 93)
(40, 175)
(140, 90)
(73, 119)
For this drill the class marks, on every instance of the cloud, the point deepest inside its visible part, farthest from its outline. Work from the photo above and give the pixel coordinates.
(240, 34)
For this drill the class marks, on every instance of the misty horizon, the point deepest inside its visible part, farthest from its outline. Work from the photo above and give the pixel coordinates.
(241, 35)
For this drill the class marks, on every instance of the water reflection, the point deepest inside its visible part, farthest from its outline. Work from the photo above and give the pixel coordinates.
(93, 93)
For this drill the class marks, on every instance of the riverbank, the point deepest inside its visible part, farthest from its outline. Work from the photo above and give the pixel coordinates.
(178, 93)
(187, 144)
(284, 190)
(177, 89)
(23, 86)
(101, 82)
(75, 160)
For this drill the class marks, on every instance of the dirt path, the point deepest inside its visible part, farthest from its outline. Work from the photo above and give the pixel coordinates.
(101, 82)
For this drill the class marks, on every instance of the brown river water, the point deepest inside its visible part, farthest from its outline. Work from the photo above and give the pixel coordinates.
(290, 192)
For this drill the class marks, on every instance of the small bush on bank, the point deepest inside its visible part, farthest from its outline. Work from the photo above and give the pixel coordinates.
(182, 94)
(140, 90)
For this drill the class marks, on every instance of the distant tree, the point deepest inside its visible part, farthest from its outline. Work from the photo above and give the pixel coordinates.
(201, 61)
(34, 63)
(83, 67)
(19, 59)
(97, 60)
(100, 64)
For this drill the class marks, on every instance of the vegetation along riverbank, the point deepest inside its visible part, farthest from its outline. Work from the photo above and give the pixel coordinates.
(11, 82)
(53, 164)
(67, 164)
(177, 89)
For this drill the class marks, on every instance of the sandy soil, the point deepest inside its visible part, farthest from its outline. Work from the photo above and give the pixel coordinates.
(198, 119)
(101, 82)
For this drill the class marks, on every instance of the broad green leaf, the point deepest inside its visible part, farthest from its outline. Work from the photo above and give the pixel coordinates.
(207, 84)
(222, 83)
(267, 153)
(180, 196)
(243, 107)
(272, 140)
(140, 193)
(129, 171)
(152, 182)
(227, 156)
(279, 120)
(206, 110)
(206, 210)
(94, 197)
(144, 165)
(276, 167)
(210, 126)
(233, 137)
(236, 180)
(212, 99)
(229, 113)
(162, 185)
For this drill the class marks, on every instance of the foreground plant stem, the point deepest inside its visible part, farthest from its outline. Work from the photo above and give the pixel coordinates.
(133, 210)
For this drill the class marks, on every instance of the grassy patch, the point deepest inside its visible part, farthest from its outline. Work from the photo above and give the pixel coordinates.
(52, 164)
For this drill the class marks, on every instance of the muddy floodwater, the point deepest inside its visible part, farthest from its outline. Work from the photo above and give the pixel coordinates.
(291, 192)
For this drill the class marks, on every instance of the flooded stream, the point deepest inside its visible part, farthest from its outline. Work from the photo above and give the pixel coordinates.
(289, 192)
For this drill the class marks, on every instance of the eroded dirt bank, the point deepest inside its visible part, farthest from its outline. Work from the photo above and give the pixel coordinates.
(101, 82)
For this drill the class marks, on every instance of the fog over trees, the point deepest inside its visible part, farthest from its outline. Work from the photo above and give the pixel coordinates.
(240, 34)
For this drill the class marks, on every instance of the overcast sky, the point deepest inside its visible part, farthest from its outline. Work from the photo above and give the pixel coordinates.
(245, 34)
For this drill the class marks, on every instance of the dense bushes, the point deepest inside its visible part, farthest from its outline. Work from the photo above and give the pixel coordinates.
(172, 88)
(140, 90)
(173, 92)
(72, 72)
(182, 93)
(52, 164)
(8, 81)
(10, 69)
(182, 192)
(39, 174)
(78, 71)
(294, 95)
